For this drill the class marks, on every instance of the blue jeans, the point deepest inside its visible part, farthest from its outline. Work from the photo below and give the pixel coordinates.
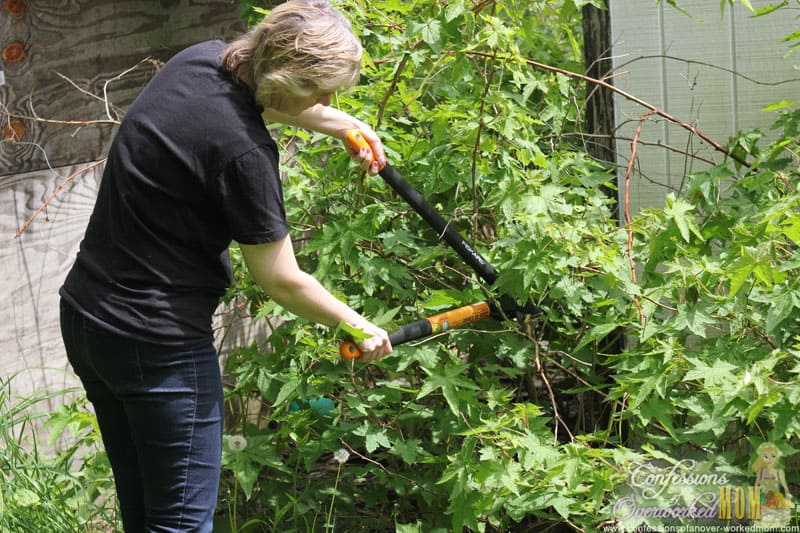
(160, 416)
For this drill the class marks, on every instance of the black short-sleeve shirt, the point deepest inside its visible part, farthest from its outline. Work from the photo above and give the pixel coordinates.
(191, 168)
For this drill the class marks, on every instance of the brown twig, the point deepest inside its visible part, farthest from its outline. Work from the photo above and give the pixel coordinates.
(398, 71)
(587, 137)
(628, 220)
(36, 118)
(708, 65)
(55, 193)
(379, 465)
(543, 376)
(488, 77)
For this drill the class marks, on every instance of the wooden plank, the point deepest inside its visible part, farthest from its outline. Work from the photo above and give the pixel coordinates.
(58, 60)
(36, 264)
(89, 43)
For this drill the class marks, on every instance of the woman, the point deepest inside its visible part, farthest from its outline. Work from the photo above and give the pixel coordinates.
(191, 168)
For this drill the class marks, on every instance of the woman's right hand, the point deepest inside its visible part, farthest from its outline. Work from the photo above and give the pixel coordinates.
(376, 346)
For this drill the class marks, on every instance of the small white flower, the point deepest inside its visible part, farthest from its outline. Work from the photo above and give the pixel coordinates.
(237, 443)
(747, 377)
(341, 456)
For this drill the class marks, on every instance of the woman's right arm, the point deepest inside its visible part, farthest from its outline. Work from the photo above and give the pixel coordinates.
(274, 267)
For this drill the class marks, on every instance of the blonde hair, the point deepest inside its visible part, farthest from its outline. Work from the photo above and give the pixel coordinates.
(302, 47)
(758, 464)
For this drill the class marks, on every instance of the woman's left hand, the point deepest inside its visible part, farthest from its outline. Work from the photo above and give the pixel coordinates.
(336, 123)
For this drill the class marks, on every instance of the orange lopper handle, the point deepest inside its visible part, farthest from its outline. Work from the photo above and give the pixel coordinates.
(454, 318)
(355, 141)
(349, 350)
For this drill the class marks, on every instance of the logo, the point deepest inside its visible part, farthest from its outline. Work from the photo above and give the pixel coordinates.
(690, 495)
(775, 500)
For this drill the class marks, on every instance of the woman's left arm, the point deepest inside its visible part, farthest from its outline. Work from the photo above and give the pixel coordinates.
(336, 123)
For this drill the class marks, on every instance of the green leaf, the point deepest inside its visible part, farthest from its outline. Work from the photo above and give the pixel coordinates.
(596, 333)
(431, 32)
(791, 228)
(740, 272)
(783, 104)
(562, 505)
(410, 450)
(464, 511)
(287, 390)
(766, 10)
(780, 308)
(681, 213)
(246, 474)
(441, 299)
(792, 36)
(25, 498)
(694, 318)
(718, 374)
(674, 4)
(357, 334)
(376, 439)
(416, 527)
(448, 380)
(454, 9)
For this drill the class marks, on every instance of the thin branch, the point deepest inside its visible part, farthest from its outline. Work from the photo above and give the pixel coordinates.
(56, 192)
(709, 65)
(650, 107)
(488, 77)
(34, 117)
(657, 144)
(118, 77)
(628, 220)
(363, 457)
(68, 122)
(78, 87)
(543, 376)
(398, 71)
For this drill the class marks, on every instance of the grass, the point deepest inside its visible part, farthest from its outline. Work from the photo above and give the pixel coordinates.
(54, 475)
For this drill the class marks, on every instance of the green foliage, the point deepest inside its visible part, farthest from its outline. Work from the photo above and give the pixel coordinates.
(51, 486)
(721, 289)
(679, 339)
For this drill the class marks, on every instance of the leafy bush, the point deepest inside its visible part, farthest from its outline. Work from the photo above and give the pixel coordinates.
(673, 337)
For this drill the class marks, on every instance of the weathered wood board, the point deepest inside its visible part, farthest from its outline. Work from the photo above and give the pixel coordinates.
(715, 70)
(60, 61)
(36, 263)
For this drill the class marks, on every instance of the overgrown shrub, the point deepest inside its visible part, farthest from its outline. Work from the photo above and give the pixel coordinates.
(510, 426)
